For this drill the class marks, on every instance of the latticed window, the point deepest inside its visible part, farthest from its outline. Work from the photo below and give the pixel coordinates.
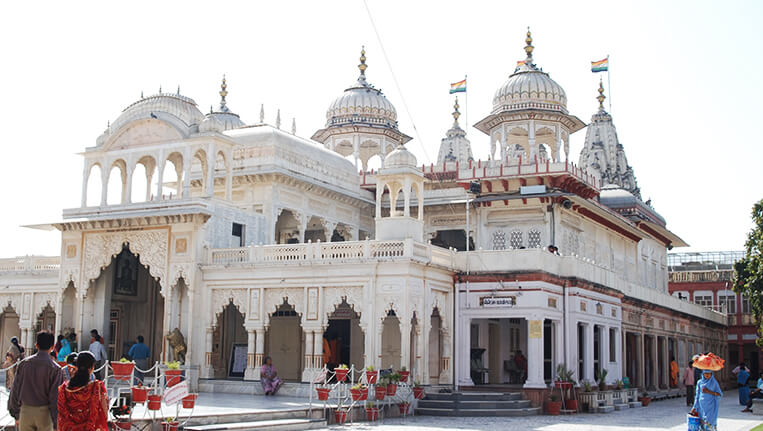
(499, 240)
(533, 239)
(571, 242)
(515, 241)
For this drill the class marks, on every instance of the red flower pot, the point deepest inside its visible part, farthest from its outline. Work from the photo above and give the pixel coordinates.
(189, 401)
(571, 404)
(381, 391)
(123, 426)
(341, 374)
(172, 377)
(139, 394)
(553, 407)
(371, 376)
(404, 375)
(391, 389)
(323, 393)
(418, 392)
(154, 402)
(645, 400)
(372, 413)
(122, 370)
(340, 416)
(562, 385)
(359, 394)
(404, 408)
(169, 426)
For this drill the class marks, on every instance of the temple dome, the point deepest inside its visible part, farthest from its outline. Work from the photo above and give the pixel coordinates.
(400, 157)
(182, 107)
(223, 115)
(362, 103)
(529, 88)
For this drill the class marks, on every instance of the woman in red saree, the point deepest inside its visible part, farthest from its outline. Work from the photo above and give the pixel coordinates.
(83, 404)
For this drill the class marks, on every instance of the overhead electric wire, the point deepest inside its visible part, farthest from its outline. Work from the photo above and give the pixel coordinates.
(397, 84)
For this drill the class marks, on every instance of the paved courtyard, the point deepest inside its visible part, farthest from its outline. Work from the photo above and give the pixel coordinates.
(660, 415)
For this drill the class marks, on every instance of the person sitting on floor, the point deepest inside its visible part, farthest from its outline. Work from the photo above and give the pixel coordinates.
(270, 381)
(757, 393)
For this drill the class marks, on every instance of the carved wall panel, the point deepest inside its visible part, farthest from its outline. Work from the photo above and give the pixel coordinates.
(222, 297)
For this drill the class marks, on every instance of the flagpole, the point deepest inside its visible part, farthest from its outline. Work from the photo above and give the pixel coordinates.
(609, 85)
(466, 108)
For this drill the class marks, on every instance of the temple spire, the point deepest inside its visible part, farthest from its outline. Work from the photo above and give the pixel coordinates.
(362, 66)
(262, 113)
(223, 93)
(456, 113)
(601, 96)
(529, 47)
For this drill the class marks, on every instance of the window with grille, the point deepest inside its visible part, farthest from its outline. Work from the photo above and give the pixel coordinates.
(515, 241)
(728, 303)
(499, 240)
(612, 345)
(703, 300)
(533, 239)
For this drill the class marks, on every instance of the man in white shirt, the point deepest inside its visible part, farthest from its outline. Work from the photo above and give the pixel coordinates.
(98, 351)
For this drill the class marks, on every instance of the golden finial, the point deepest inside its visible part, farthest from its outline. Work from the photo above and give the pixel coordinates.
(529, 44)
(362, 66)
(223, 93)
(456, 113)
(601, 95)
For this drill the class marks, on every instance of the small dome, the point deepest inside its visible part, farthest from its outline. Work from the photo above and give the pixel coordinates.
(362, 103)
(211, 124)
(223, 114)
(529, 88)
(184, 108)
(400, 157)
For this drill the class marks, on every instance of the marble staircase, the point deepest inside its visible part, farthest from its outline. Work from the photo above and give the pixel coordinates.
(475, 404)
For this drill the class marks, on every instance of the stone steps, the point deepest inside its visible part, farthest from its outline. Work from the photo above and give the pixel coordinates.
(475, 404)
(270, 425)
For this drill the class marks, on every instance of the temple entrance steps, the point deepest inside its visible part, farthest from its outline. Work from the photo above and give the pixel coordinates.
(475, 404)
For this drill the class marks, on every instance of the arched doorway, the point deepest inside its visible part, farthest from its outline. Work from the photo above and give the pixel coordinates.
(231, 342)
(435, 346)
(287, 228)
(284, 342)
(345, 339)
(127, 303)
(9, 327)
(391, 342)
(68, 302)
(46, 320)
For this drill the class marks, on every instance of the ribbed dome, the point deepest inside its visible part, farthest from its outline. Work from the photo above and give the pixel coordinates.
(361, 103)
(527, 89)
(184, 108)
(400, 157)
(227, 120)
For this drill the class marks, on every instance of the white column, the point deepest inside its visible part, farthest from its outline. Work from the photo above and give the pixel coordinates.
(309, 346)
(588, 354)
(259, 352)
(379, 195)
(250, 355)
(207, 370)
(604, 353)
(127, 192)
(211, 161)
(447, 355)
(187, 162)
(558, 356)
(462, 352)
(654, 358)
(531, 139)
(85, 172)
(160, 179)
(149, 176)
(535, 353)
(406, 199)
(104, 186)
(405, 345)
(640, 361)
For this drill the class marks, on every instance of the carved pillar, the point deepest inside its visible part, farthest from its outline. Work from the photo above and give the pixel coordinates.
(405, 344)
(208, 371)
(535, 353)
(328, 229)
(604, 351)
(160, 178)
(445, 371)
(302, 219)
(418, 362)
(229, 182)
(531, 139)
(588, 353)
(104, 186)
(259, 352)
(356, 150)
(187, 175)
(149, 176)
(249, 373)
(318, 348)
(308, 362)
(85, 172)
(379, 195)
(640, 361)
(654, 368)
(406, 198)
(127, 190)
(211, 161)
(463, 374)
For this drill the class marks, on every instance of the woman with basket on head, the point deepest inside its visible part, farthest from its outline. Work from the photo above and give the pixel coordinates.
(708, 396)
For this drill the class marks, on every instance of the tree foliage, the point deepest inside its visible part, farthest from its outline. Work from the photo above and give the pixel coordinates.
(748, 272)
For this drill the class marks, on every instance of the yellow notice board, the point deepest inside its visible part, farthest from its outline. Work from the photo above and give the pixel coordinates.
(536, 329)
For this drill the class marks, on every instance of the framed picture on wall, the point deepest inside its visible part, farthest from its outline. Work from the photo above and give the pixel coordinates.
(238, 360)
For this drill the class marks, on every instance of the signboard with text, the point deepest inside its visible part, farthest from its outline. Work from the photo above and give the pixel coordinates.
(176, 393)
(498, 301)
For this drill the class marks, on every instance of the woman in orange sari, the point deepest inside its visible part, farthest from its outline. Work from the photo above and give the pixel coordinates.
(673, 372)
(83, 404)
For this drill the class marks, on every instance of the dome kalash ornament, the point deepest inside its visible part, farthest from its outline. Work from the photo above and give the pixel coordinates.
(710, 362)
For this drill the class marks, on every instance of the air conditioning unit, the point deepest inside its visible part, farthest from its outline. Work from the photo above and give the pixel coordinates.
(532, 190)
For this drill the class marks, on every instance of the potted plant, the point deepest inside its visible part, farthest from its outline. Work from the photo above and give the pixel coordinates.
(372, 413)
(154, 402)
(341, 372)
(601, 377)
(564, 378)
(619, 385)
(418, 391)
(189, 401)
(122, 417)
(645, 399)
(404, 407)
(553, 405)
(323, 393)
(173, 373)
(359, 392)
(588, 386)
(170, 424)
(392, 384)
(139, 393)
(404, 373)
(381, 391)
(340, 415)
(371, 375)
(123, 369)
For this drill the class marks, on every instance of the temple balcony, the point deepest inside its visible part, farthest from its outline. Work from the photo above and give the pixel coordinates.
(30, 264)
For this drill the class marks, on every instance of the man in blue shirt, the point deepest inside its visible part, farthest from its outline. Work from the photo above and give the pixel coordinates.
(757, 393)
(139, 353)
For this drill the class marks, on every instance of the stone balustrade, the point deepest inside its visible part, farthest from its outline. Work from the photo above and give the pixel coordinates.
(30, 264)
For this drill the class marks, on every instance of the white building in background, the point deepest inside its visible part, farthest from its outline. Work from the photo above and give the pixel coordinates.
(253, 241)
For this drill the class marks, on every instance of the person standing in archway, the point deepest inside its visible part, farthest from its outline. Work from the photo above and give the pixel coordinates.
(15, 353)
(99, 352)
(139, 353)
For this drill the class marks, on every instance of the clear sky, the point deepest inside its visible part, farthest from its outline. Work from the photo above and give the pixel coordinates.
(686, 85)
